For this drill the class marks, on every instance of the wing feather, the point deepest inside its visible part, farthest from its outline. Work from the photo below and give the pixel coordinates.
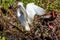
(38, 10)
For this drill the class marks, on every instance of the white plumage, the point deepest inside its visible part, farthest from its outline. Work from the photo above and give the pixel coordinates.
(22, 16)
(32, 10)
(26, 17)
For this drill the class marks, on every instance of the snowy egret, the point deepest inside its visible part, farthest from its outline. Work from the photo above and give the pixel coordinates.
(26, 16)
(22, 16)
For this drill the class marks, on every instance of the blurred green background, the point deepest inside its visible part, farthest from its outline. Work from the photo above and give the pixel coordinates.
(47, 4)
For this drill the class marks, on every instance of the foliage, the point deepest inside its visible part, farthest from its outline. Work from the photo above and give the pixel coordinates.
(3, 38)
(48, 6)
(6, 3)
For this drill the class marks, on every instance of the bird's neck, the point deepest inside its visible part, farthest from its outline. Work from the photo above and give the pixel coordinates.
(18, 12)
(22, 11)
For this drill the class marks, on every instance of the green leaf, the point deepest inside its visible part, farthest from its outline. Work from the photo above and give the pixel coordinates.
(3, 1)
(3, 38)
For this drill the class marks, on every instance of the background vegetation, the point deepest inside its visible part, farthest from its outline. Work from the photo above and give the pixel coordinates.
(10, 26)
(47, 4)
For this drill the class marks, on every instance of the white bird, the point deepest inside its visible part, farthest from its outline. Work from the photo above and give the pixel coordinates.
(26, 17)
(22, 16)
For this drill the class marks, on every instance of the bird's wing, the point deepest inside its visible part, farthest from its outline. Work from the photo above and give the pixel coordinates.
(34, 9)
(20, 17)
(39, 10)
(24, 23)
(30, 11)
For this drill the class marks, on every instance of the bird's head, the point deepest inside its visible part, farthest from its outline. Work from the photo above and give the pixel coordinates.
(20, 4)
